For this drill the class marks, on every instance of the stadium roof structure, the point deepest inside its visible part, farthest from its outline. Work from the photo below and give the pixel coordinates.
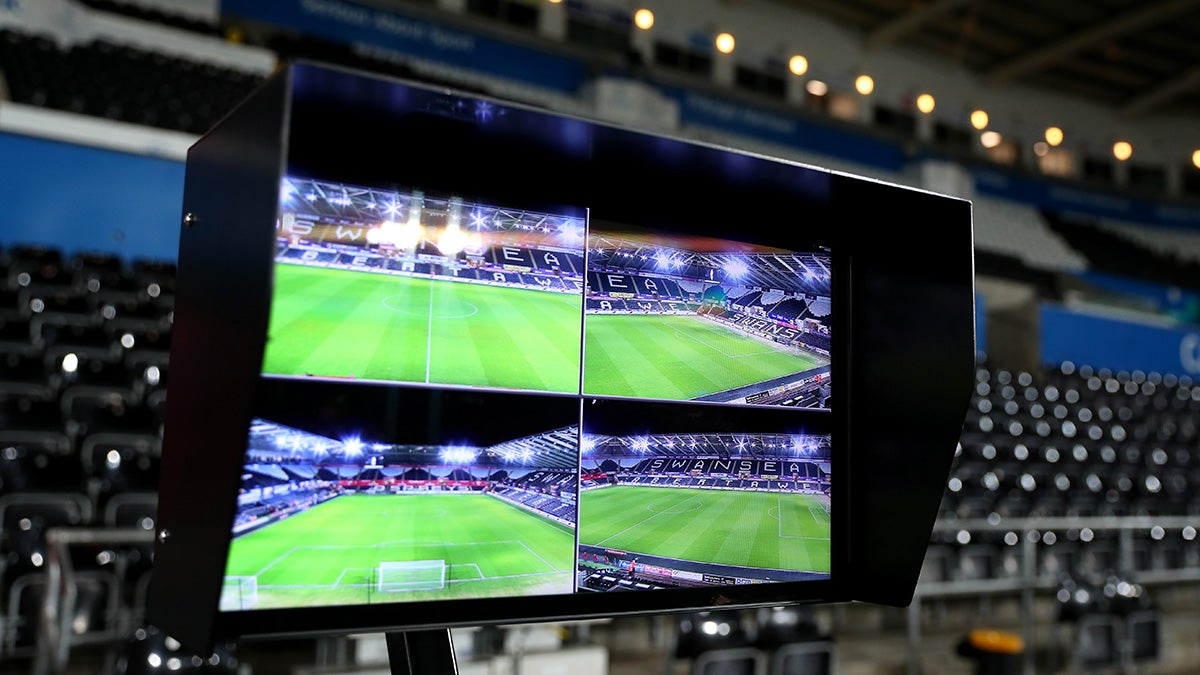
(554, 449)
(338, 201)
(722, 445)
(1136, 57)
(788, 271)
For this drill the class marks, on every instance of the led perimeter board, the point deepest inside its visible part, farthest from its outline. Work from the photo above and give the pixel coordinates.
(444, 360)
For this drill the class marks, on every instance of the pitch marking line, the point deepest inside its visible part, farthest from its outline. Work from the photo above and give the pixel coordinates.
(680, 334)
(411, 543)
(469, 309)
(278, 560)
(448, 581)
(817, 516)
(647, 519)
(777, 515)
(429, 338)
(535, 554)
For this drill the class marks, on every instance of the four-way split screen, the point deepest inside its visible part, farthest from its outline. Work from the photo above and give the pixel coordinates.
(362, 493)
(462, 399)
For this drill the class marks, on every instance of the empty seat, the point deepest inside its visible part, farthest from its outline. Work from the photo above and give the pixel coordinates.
(27, 516)
(116, 462)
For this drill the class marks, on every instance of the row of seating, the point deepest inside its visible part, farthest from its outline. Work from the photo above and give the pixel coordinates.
(121, 82)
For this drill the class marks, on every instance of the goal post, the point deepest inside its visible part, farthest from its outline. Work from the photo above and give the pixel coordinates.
(411, 575)
(238, 592)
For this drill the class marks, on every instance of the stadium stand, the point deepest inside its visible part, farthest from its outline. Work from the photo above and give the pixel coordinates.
(1114, 252)
(155, 16)
(121, 82)
(1008, 228)
(1180, 244)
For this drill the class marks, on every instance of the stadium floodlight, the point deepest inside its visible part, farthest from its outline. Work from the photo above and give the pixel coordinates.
(641, 444)
(352, 446)
(453, 239)
(736, 269)
(475, 244)
(485, 111)
(459, 455)
(572, 231)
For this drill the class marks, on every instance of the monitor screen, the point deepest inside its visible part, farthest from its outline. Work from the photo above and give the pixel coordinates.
(464, 398)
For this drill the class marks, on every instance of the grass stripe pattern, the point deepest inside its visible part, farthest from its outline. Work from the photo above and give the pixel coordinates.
(345, 323)
(330, 554)
(678, 357)
(763, 530)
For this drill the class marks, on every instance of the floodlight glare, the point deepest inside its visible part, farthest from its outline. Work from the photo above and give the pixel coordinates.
(736, 269)
(458, 455)
(352, 447)
(571, 231)
(452, 239)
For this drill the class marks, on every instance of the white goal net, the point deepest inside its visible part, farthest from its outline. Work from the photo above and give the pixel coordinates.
(239, 593)
(411, 575)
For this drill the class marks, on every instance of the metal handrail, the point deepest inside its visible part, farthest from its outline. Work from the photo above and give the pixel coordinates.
(54, 639)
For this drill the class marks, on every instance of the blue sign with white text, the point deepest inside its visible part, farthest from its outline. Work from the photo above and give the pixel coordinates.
(1105, 342)
(1086, 201)
(385, 34)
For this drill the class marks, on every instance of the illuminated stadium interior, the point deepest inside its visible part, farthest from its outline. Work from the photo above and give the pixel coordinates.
(692, 509)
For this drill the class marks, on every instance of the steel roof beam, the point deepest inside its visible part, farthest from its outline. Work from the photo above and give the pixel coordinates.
(1162, 93)
(1144, 15)
(909, 22)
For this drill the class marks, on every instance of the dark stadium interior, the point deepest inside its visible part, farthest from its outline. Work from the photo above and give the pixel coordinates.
(1066, 540)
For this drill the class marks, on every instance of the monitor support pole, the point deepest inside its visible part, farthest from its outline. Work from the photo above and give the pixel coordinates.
(421, 652)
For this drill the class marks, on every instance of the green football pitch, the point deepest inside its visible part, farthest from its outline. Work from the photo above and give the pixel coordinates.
(746, 529)
(678, 357)
(331, 554)
(345, 323)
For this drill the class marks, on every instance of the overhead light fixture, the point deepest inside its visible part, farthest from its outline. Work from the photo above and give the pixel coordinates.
(1196, 159)
(979, 119)
(990, 139)
(926, 103)
(864, 84)
(643, 18)
(798, 65)
(1122, 150)
(816, 87)
(725, 43)
(1054, 136)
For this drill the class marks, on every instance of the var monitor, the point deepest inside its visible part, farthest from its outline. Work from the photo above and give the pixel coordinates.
(444, 360)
